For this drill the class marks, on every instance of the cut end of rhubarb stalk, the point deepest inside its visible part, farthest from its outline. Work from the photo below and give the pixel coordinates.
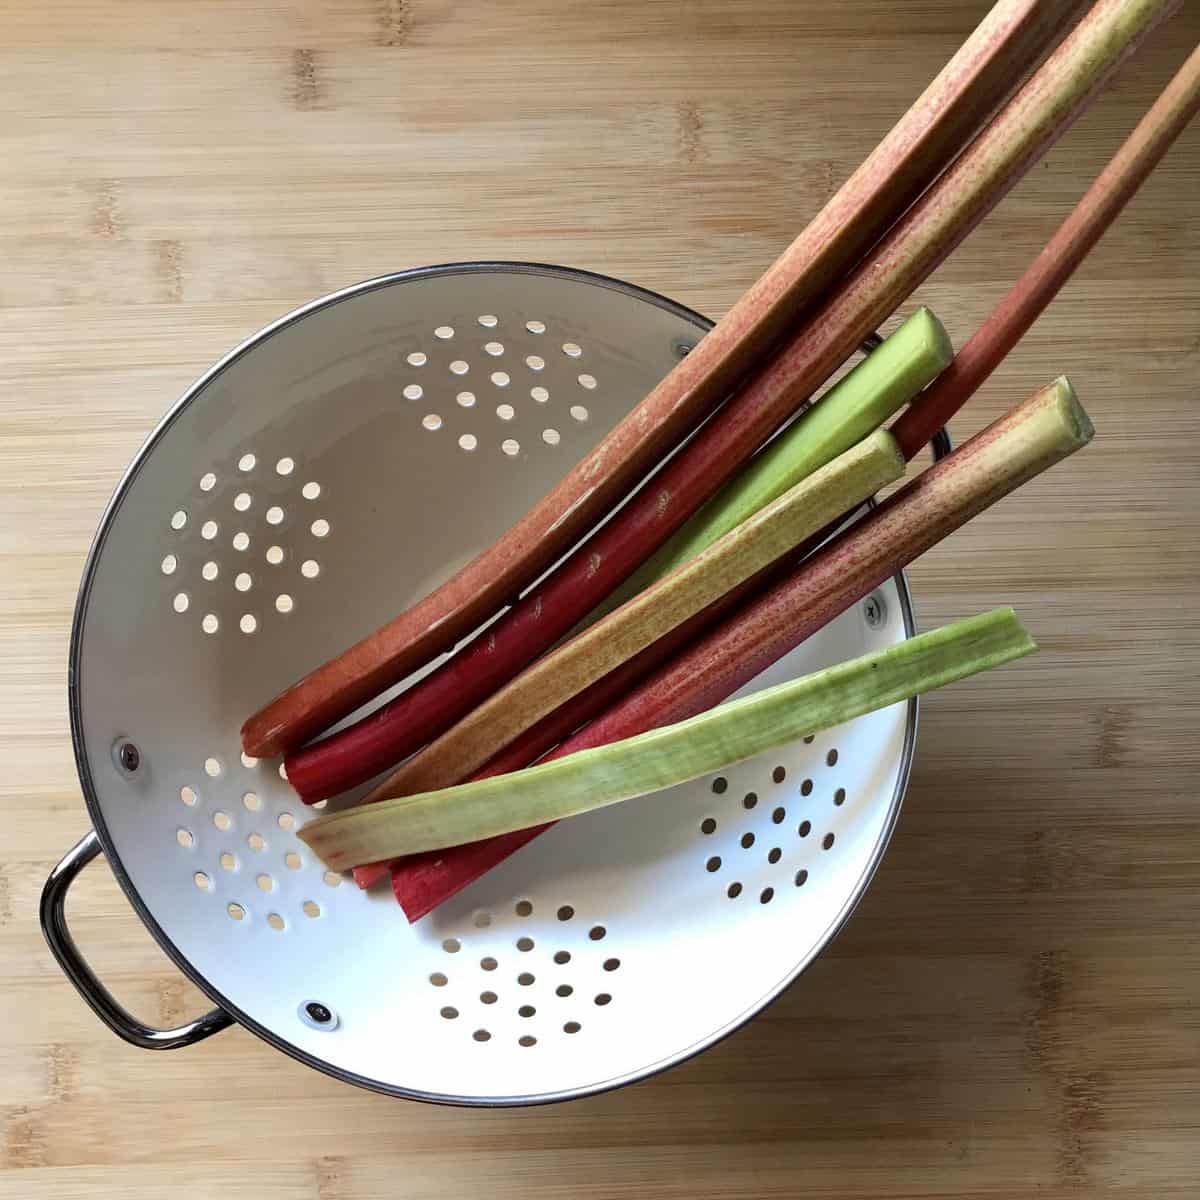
(1076, 424)
(884, 450)
(936, 346)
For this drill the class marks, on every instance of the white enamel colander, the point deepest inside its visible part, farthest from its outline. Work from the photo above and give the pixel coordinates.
(329, 471)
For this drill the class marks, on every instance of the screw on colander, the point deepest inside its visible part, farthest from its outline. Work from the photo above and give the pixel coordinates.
(874, 610)
(317, 1015)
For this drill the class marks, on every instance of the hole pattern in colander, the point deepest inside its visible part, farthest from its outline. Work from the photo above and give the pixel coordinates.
(509, 986)
(246, 517)
(756, 836)
(514, 373)
(239, 846)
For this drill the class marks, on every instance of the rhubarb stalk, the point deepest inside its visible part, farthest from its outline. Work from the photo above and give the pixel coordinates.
(974, 184)
(1008, 322)
(1013, 36)
(888, 378)
(1041, 431)
(665, 757)
(525, 750)
(737, 556)
(859, 402)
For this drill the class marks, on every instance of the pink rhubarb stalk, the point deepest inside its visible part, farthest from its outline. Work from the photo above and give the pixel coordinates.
(1010, 39)
(1035, 435)
(1039, 112)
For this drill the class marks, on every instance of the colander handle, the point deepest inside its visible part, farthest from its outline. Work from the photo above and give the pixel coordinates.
(62, 946)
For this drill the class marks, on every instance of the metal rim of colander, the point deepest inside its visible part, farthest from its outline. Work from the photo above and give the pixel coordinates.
(702, 324)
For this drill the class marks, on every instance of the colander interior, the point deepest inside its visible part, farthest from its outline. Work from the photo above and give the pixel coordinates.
(325, 475)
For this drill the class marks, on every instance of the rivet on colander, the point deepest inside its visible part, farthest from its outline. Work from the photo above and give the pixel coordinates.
(127, 756)
(316, 1015)
(681, 349)
(874, 610)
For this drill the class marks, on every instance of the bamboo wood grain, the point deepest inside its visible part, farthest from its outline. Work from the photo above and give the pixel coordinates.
(1012, 1009)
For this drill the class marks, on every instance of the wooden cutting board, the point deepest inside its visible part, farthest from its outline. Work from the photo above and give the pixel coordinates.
(1013, 1009)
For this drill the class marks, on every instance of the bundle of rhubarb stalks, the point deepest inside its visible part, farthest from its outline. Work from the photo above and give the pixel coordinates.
(606, 680)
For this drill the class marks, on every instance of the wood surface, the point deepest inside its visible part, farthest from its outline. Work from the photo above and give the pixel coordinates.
(1014, 1010)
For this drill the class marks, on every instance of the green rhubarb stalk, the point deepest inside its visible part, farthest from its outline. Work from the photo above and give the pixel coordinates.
(674, 754)
(888, 378)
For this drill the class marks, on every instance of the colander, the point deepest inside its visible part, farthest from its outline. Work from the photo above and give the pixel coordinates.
(330, 470)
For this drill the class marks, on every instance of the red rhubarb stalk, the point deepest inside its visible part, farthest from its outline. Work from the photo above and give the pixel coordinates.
(1039, 112)
(1011, 38)
(1032, 437)
(1008, 322)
